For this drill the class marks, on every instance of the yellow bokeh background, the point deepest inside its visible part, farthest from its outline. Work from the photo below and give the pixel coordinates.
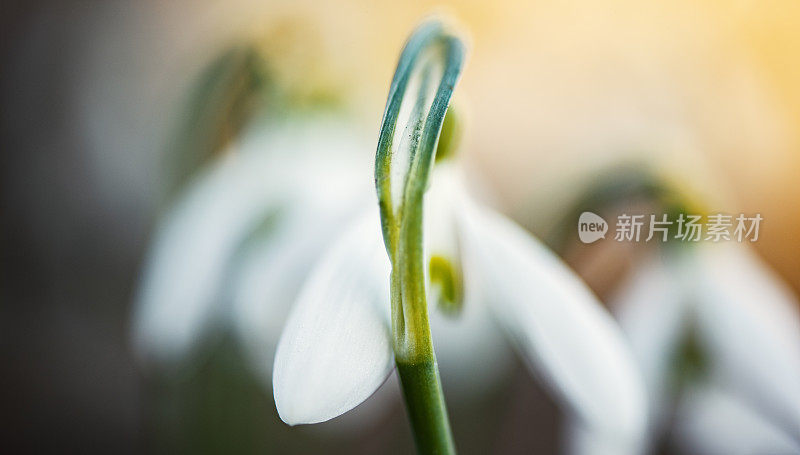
(556, 91)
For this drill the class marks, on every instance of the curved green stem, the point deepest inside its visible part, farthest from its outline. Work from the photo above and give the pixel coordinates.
(429, 52)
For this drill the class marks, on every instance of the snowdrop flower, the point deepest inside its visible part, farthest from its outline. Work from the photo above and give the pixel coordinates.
(234, 248)
(733, 327)
(362, 311)
(715, 332)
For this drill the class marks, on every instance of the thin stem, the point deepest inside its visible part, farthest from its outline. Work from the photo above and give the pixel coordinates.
(428, 47)
(422, 390)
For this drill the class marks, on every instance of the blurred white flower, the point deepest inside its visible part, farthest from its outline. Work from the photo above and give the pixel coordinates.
(236, 244)
(709, 420)
(717, 337)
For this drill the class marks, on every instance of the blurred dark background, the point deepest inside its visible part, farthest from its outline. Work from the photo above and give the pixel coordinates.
(70, 250)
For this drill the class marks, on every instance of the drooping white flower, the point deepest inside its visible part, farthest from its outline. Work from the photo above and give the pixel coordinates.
(238, 241)
(249, 229)
(744, 331)
(337, 346)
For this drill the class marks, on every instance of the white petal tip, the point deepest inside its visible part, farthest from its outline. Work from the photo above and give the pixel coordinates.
(335, 350)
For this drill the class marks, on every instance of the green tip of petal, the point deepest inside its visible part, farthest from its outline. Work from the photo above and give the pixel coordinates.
(447, 279)
(450, 137)
(690, 360)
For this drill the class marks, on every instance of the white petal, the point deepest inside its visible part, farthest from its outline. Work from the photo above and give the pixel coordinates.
(276, 169)
(365, 419)
(580, 439)
(467, 340)
(710, 421)
(652, 311)
(193, 245)
(441, 236)
(271, 272)
(336, 348)
(749, 322)
(557, 323)
(468, 337)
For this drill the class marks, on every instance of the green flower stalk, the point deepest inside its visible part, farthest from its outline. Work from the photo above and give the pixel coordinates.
(430, 52)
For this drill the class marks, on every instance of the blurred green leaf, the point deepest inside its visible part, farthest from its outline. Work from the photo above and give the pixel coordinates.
(228, 93)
